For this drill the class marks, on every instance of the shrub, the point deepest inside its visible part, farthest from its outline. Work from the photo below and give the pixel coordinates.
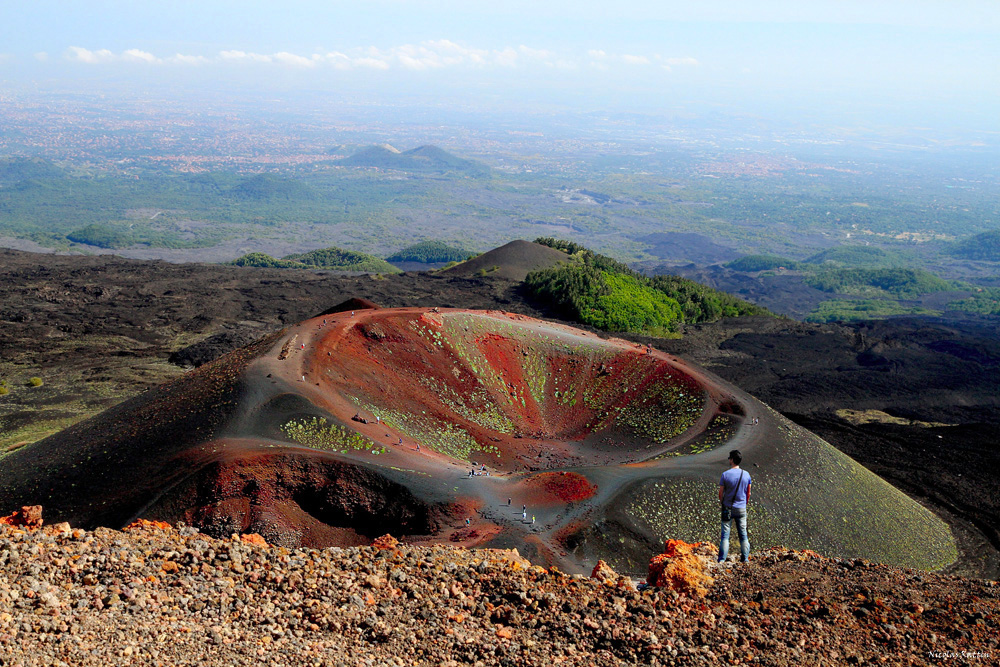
(430, 252)
(4, 390)
(754, 263)
(342, 260)
(900, 283)
(984, 247)
(263, 260)
(607, 294)
(35, 382)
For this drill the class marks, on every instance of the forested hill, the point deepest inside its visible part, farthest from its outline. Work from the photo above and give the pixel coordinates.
(335, 259)
(597, 290)
(422, 158)
(985, 247)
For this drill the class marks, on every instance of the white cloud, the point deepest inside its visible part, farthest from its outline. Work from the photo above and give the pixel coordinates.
(293, 60)
(137, 56)
(425, 56)
(80, 54)
(182, 59)
(372, 63)
(42, 57)
(670, 63)
(243, 57)
(535, 54)
(629, 59)
(505, 57)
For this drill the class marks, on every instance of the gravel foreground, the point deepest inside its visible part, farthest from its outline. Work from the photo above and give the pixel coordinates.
(154, 595)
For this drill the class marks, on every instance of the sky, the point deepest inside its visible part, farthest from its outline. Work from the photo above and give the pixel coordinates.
(927, 60)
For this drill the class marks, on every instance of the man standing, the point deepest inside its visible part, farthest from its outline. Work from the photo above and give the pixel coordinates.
(734, 492)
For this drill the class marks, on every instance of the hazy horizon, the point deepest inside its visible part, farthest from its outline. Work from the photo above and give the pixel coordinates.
(924, 65)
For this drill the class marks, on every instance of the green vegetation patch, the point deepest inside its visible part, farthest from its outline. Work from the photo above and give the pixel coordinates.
(810, 496)
(984, 302)
(663, 411)
(124, 234)
(342, 260)
(269, 187)
(102, 236)
(597, 290)
(858, 256)
(754, 263)
(437, 434)
(334, 259)
(39, 429)
(625, 304)
(265, 261)
(476, 406)
(430, 252)
(982, 247)
(843, 310)
(900, 283)
(320, 434)
(17, 169)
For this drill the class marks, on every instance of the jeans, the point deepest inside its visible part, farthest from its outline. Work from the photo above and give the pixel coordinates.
(739, 515)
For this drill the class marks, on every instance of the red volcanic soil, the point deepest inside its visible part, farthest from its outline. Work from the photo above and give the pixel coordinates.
(417, 422)
(559, 487)
(513, 393)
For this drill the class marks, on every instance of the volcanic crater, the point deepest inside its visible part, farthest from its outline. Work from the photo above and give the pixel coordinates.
(480, 428)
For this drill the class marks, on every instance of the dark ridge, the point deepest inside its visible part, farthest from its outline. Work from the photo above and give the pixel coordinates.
(354, 303)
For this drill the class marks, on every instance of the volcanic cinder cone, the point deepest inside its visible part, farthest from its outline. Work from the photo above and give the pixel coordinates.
(469, 427)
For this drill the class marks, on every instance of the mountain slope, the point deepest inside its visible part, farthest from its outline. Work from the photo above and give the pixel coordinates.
(347, 426)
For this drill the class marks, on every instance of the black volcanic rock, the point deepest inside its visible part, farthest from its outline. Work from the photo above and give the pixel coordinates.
(214, 347)
(688, 247)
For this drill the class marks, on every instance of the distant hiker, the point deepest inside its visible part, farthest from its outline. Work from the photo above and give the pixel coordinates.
(508, 502)
(378, 420)
(524, 508)
(418, 446)
(468, 522)
(532, 519)
(400, 440)
(524, 515)
(734, 492)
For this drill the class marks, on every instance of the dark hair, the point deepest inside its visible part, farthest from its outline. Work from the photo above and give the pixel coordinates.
(735, 456)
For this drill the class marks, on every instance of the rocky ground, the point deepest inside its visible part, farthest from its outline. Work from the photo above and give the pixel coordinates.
(156, 595)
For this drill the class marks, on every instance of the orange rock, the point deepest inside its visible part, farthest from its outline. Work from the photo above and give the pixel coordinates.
(504, 633)
(682, 567)
(29, 516)
(170, 566)
(387, 541)
(143, 524)
(253, 538)
(604, 574)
